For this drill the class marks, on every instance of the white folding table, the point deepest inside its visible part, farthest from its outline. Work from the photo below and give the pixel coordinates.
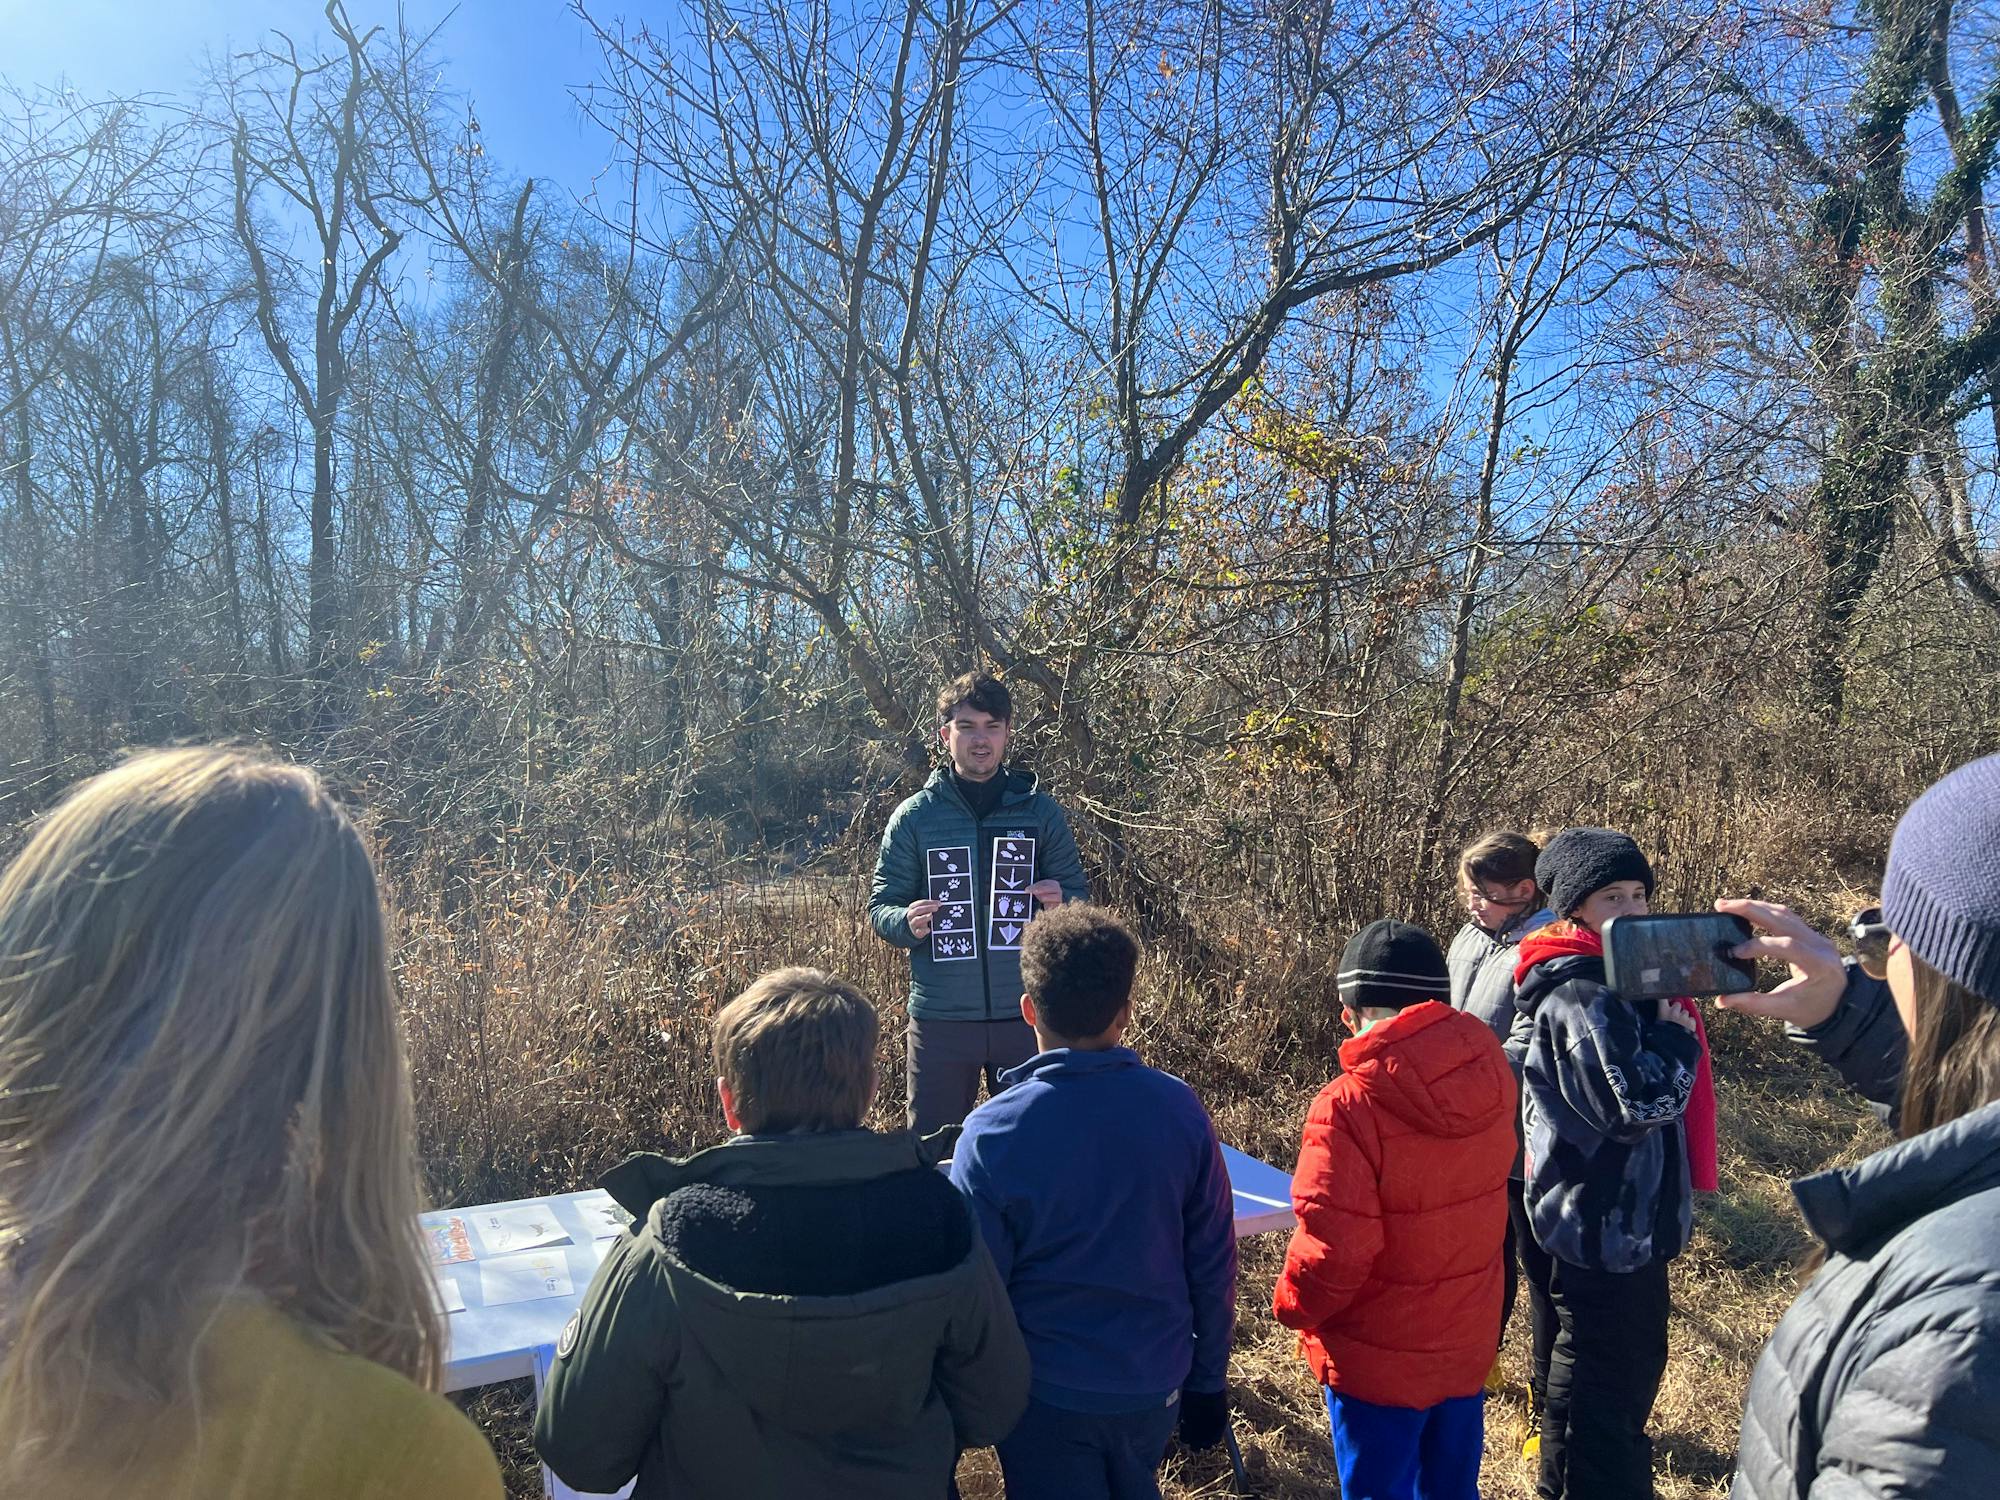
(488, 1344)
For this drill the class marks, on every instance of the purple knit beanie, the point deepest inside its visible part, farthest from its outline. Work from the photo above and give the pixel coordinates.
(1942, 893)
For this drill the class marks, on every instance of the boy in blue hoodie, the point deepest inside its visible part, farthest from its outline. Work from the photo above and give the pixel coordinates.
(1099, 1186)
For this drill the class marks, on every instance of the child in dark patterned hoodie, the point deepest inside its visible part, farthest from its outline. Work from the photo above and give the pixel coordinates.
(1606, 1084)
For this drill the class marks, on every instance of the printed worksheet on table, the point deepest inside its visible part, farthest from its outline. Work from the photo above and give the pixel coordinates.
(502, 1231)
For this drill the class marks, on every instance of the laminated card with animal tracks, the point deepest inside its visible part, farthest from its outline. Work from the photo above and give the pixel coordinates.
(1013, 906)
(949, 871)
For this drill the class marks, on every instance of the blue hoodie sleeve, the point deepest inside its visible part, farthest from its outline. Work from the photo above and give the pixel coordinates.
(1208, 1248)
(1863, 1041)
(899, 880)
(970, 1177)
(1623, 1075)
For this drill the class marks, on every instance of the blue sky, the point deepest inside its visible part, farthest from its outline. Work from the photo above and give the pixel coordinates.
(517, 59)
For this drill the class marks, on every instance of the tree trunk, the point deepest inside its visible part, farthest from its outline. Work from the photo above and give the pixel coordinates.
(474, 564)
(274, 615)
(225, 526)
(30, 611)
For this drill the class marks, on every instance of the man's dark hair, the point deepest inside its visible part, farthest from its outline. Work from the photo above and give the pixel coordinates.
(1077, 964)
(980, 691)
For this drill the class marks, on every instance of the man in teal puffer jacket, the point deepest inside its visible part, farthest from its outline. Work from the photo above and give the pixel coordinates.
(965, 864)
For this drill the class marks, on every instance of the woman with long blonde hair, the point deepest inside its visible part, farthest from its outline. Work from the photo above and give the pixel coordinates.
(211, 1282)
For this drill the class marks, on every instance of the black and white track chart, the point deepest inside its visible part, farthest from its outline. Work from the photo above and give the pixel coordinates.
(1013, 873)
(954, 938)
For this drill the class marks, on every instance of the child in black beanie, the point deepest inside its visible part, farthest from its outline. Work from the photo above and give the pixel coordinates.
(1605, 1083)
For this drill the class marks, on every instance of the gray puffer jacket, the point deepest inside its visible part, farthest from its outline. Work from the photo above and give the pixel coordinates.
(1481, 964)
(1863, 1041)
(1883, 1380)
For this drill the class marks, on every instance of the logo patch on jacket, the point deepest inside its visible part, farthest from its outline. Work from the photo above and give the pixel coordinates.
(567, 1343)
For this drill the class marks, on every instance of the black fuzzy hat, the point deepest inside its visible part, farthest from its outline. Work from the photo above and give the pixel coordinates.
(1578, 861)
(1389, 965)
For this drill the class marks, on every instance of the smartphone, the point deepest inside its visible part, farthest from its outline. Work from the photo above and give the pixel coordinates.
(1666, 953)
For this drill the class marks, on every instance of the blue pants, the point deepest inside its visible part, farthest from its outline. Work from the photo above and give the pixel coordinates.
(1053, 1454)
(1397, 1453)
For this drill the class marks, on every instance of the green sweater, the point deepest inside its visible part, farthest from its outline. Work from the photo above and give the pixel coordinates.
(988, 987)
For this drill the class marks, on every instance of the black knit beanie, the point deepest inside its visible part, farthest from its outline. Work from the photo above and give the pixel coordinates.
(1389, 965)
(1578, 861)
(1942, 892)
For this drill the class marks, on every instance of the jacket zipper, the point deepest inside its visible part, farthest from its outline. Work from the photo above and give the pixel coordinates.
(985, 951)
(981, 905)
(980, 924)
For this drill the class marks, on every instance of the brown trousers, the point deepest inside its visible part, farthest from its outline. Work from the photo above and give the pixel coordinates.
(943, 1062)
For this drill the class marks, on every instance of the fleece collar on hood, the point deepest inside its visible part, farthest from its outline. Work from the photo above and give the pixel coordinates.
(1558, 940)
(1534, 919)
(811, 1157)
(1433, 1067)
(1851, 1207)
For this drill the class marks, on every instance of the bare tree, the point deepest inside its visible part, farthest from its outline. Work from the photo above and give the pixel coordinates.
(1901, 350)
(316, 185)
(83, 187)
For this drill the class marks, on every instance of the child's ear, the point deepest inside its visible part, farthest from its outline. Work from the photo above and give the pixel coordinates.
(1348, 1019)
(1028, 1011)
(729, 1115)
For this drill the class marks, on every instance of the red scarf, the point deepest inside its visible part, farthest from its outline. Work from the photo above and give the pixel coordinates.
(1561, 939)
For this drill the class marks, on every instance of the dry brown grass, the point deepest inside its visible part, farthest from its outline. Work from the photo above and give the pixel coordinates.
(553, 1031)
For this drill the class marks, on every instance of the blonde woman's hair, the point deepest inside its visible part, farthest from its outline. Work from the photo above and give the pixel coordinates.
(797, 1050)
(202, 1091)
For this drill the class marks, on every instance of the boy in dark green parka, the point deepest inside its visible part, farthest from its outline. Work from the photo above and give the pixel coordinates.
(806, 1309)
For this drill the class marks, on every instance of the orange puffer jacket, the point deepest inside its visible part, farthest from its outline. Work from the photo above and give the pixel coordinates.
(1393, 1276)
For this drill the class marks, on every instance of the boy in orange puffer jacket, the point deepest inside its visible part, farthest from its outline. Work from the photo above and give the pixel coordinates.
(1393, 1275)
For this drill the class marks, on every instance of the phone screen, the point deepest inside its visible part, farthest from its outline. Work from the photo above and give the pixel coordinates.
(1665, 953)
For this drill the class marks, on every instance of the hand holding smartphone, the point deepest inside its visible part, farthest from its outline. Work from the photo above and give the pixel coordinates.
(1665, 953)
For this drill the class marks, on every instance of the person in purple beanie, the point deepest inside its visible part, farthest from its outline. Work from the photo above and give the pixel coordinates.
(1884, 1377)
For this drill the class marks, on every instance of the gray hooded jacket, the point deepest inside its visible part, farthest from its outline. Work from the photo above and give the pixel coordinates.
(1884, 1377)
(1482, 970)
(1603, 1089)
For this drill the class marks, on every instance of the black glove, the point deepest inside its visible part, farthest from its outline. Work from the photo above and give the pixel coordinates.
(1204, 1418)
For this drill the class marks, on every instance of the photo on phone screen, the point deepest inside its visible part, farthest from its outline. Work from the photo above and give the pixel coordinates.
(1665, 953)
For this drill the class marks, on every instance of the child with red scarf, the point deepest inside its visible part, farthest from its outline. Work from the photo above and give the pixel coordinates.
(1618, 1114)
